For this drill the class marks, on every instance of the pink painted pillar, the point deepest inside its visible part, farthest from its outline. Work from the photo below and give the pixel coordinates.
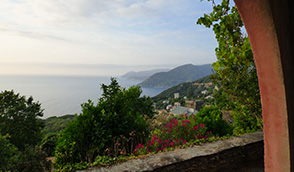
(269, 45)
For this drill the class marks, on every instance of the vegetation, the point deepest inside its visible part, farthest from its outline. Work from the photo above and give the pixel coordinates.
(111, 128)
(185, 130)
(235, 69)
(52, 130)
(54, 125)
(212, 118)
(123, 123)
(177, 76)
(8, 153)
(187, 89)
(20, 134)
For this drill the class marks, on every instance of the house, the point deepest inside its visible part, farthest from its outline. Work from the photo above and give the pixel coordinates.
(177, 104)
(208, 97)
(176, 95)
(168, 107)
(204, 92)
(194, 104)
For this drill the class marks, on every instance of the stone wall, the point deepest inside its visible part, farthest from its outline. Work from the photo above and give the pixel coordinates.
(242, 153)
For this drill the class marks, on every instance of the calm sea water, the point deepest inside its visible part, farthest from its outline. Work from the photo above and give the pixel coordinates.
(60, 95)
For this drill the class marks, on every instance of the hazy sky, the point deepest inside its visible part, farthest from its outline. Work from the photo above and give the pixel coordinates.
(102, 37)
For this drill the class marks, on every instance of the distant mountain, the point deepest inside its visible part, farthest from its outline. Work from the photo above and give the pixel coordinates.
(177, 76)
(142, 75)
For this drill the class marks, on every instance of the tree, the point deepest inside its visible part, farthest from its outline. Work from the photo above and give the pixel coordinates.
(8, 153)
(105, 129)
(19, 119)
(122, 101)
(21, 128)
(235, 68)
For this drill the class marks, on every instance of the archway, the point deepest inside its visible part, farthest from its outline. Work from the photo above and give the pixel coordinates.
(270, 27)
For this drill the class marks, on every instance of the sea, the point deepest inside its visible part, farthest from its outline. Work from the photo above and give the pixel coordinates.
(61, 95)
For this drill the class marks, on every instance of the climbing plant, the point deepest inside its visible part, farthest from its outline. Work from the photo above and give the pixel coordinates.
(235, 71)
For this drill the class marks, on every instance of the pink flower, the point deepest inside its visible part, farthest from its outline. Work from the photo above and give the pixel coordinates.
(202, 125)
(172, 144)
(195, 127)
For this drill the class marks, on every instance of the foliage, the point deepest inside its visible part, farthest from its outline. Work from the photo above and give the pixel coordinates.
(174, 134)
(20, 123)
(122, 101)
(8, 153)
(188, 89)
(177, 75)
(19, 119)
(56, 124)
(53, 127)
(32, 159)
(110, 128)
(159, 121)
(212, 118)
(235, 69)
(48, 143)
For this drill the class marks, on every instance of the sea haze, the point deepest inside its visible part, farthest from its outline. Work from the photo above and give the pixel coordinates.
(60, 95)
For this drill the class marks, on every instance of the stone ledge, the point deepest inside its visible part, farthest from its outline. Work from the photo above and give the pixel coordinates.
(222, 155)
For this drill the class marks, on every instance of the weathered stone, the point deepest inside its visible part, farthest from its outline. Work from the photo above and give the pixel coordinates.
(243, 153)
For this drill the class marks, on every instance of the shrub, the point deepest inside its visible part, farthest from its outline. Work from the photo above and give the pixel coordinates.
(111, 128)
(159, 121)
(8, 154)
(174, 134)
(19, 117)
(212, 118)
(32, 159)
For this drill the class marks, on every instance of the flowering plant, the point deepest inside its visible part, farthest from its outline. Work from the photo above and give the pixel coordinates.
(176, 133)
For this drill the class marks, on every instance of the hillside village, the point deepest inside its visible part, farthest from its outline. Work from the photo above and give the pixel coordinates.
(197, 94)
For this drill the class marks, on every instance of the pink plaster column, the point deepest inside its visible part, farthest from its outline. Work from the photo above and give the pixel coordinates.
(258, 20)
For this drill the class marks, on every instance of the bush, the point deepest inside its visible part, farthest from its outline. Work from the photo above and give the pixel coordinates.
(32, 159)
(48, 143)
(8, 154)
(212, 118)
(111, 128)
(20, 119)
(245, 122)
(174, 134)
(20, 123)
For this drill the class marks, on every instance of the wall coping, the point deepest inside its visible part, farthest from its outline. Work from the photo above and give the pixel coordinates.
(162, 159)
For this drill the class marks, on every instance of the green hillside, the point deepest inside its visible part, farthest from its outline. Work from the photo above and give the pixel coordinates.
(177, 75)
(56, 124)
(187, 89)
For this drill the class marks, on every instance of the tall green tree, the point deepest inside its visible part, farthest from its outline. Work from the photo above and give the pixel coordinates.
(8, 154)
(235, 71)
(97, 129)
(19, 117)
(21, 127)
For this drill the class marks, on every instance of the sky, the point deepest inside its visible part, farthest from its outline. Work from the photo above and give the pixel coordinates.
(102, 37)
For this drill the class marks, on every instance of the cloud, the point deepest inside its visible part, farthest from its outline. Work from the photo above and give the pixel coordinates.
(122, 32)
(34, 35)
